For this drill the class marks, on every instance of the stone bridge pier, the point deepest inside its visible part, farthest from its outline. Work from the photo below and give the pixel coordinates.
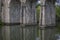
(20, 22)
(47, 21)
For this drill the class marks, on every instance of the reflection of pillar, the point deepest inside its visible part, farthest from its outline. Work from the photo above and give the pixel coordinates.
(47, 20)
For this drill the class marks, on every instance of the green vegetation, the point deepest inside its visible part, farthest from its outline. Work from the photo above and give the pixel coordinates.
(1, 24)
(38, 12)
(58, 11)
(58, 18)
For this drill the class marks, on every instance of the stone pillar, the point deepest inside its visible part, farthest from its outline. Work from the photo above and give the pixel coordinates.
(0, 9)
(11, 20)
(29, 21)
(29, 13)
(47, 19)
(5, 11)
(19, 21)
(6, 19)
